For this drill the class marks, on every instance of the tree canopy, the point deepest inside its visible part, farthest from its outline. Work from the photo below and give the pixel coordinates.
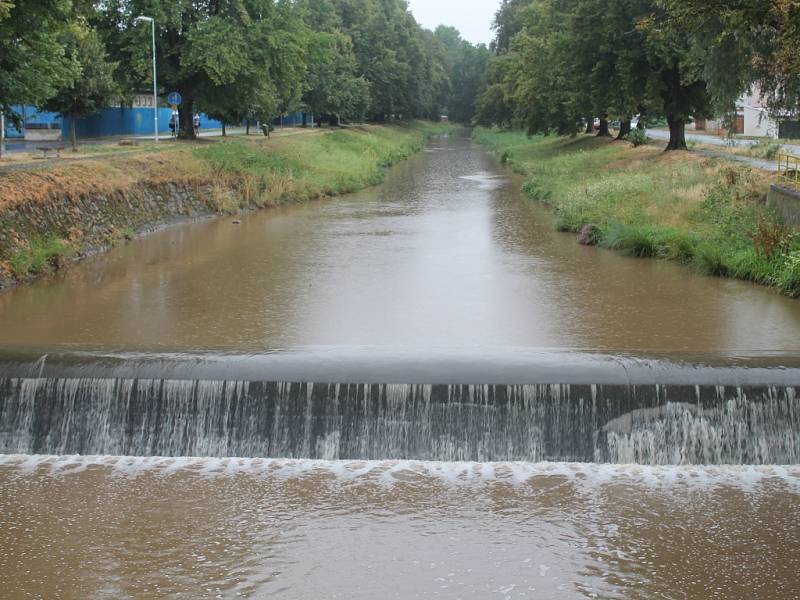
(558, 64)
(94, 86)
(554, 65)
(237, 59)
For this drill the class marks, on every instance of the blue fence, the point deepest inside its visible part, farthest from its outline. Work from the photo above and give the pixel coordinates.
(28, 114)
(120, 121)
(107, 122)
(294, 120)
(129, 121)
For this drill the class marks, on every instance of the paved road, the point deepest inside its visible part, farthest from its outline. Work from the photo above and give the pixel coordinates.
(714, 140)
(13, 145)
(757, 163)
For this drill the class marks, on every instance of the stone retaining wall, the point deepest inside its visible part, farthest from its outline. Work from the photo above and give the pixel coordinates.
(93, 223)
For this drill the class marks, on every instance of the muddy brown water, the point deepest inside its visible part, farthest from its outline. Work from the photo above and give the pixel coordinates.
(128, 528)
(447, 254)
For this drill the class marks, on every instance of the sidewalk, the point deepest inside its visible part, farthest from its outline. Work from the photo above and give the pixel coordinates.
(19, 155)
(715, 140)
(15, 146)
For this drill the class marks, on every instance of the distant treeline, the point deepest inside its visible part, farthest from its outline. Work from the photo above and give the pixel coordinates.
(559, 64)
(238, 59)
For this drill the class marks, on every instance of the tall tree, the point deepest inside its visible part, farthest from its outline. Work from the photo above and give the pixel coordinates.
(744, 43)
(226, 54)
(33, 60)
(574, 59)
(466, 65)
(334, 88)
(682, 88)
(94, 87)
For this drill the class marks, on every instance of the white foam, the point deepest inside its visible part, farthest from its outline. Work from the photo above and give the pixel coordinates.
(748, 478)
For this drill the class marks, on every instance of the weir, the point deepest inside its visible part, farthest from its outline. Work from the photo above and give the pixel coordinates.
(589, 409)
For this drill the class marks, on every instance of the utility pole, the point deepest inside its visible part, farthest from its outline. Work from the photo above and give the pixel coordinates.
(155, 79)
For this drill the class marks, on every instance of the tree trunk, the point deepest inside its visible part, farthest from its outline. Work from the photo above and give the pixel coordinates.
(73, 138)
(224, 131)
(677, 133)
(305, 119)
(603, 131)
(590, 125)
(247, 126)
(624, 129)
(186, 119)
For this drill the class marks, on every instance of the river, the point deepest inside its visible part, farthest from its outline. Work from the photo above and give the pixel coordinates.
(447, 254)
(144, 455)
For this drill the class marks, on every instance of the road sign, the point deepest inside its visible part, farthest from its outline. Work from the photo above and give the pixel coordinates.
(174, 98)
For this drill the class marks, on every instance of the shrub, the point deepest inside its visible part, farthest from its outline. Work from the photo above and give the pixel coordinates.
(677, 245)
(40, 253)
(638, 137)
(788, 279)
(534, 190)
(769, 236)
(631, 240)
(766, 148)
(590, 235)
(710, 259)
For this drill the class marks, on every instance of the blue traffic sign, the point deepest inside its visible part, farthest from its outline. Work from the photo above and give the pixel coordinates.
(174, 98)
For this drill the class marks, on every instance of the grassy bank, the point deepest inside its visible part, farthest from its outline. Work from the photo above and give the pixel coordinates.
(57, 211)
(708, 214)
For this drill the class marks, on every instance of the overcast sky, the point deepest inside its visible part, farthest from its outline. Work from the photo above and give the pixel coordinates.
(473, 18)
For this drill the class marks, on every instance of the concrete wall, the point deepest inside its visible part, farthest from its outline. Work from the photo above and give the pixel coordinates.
(42, 135)
(786, 203)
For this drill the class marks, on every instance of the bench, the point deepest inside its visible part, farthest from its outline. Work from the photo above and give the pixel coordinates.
(46, 150)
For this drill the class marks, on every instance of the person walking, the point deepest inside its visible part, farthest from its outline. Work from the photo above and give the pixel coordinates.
(196, 124)
(173, 123)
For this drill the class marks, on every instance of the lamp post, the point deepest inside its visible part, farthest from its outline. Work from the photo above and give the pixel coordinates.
(155, 85)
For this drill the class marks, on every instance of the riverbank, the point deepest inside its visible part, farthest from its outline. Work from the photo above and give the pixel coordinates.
(55, 212)
(706, 213)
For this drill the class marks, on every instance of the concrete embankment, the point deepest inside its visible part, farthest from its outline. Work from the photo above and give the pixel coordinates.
(72, 208)
(785, 201)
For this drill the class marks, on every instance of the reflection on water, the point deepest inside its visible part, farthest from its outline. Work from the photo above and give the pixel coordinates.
(446, 254)
(157, 528)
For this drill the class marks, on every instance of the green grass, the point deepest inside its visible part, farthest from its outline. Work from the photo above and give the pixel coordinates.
(707, 214)
(40, 254)
(274, 171)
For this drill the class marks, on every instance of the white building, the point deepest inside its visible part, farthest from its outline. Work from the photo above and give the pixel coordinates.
(752, 118)
(757, 122)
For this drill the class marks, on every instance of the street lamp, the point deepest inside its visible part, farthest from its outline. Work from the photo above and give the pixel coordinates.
(155, 85)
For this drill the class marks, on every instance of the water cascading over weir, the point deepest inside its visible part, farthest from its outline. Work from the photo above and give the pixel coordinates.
(529, 407)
